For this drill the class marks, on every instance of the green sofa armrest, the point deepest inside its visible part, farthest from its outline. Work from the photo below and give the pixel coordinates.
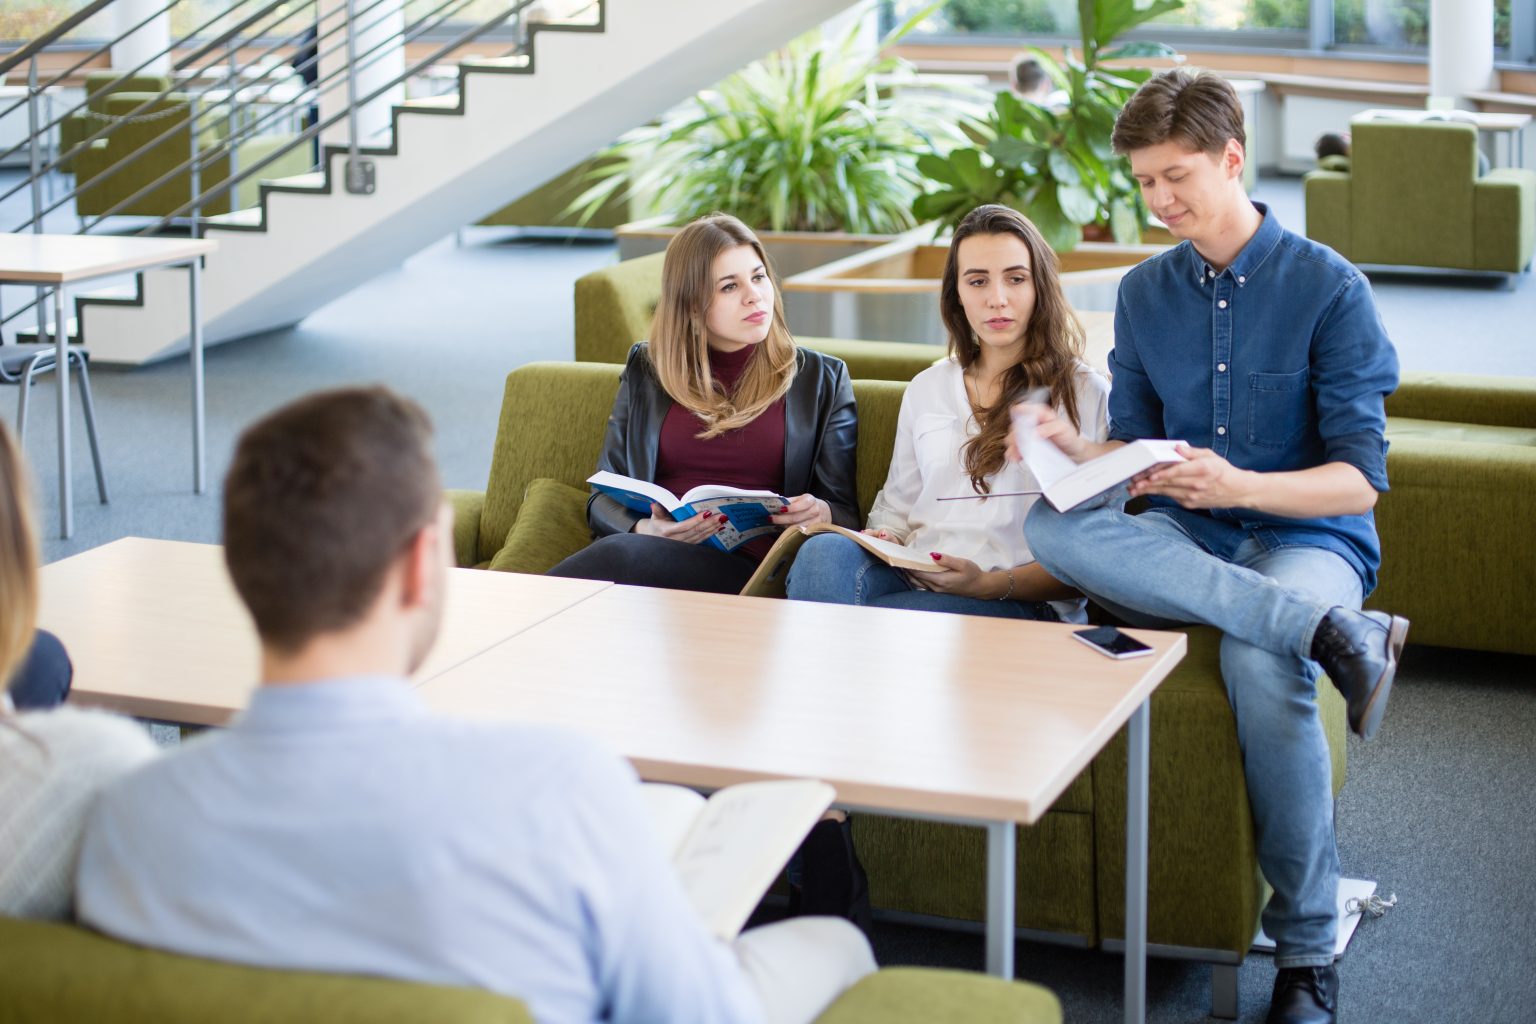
(61, 972)
(915, 995)
(467, 507)
(1327, 205)
(1504, 213)
(1465, 398)
(878, 360)
(614, 306)
(1457, 559)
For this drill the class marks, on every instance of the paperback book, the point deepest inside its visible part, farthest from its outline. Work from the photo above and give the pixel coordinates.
(746, 512)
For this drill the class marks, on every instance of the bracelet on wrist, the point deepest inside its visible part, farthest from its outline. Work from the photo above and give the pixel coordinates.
(1009, 592)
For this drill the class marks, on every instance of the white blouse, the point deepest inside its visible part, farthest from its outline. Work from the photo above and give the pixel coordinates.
(935, 422)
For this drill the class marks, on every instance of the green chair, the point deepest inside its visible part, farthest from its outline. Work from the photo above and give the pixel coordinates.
(614, 307)
(60, 972)
(99, 85)
(136, 154)
(1412, 197)
(548, 205)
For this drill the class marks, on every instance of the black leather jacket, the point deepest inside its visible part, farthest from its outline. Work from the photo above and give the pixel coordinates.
(820, 430)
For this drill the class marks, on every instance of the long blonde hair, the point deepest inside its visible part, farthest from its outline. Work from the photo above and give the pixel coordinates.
(1053, 338)
(679, 346)
(18, 558)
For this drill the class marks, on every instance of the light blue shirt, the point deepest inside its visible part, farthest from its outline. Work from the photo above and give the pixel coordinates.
(339, 826)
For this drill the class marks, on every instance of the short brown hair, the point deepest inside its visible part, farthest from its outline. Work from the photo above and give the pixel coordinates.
(322, 497)
(18, 559)
(1197, 109)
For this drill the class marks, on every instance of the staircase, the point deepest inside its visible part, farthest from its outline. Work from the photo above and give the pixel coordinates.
(514, 124)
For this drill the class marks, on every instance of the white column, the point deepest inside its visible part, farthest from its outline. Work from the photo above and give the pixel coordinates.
(1460, 49)
(132, 50)
(374, 26)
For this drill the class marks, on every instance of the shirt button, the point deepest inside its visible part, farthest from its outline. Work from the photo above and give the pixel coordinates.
(1242, 280)
(1210, 273)
(1221, 367)
(1222, 431)
(1221, 304)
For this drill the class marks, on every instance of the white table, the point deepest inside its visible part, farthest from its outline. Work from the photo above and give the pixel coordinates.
(56, 260)
(1486, 122)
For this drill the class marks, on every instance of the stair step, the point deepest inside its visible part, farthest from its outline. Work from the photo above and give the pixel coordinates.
(250, 218)
(311, 182)
(513, 63)
(445, 101)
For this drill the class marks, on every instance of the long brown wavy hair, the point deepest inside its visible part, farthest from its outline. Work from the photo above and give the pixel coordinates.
(18, 558)
(1053, 338)
(679, 346)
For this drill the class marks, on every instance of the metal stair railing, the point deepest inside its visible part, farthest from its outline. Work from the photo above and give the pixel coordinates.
(240, 94)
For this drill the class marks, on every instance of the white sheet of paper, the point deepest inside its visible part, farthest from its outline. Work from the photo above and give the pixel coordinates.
(1349, 888)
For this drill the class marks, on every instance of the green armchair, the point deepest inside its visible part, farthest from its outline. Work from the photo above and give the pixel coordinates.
(99, 85)
(1412, 197)
(113, 169)
(58, 972)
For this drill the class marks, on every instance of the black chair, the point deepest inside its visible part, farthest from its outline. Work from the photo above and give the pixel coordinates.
(21, 364)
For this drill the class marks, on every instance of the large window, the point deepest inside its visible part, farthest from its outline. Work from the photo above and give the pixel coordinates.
(1367, 26)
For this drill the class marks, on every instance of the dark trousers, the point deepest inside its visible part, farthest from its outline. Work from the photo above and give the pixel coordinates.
(43, 679)
(642, 561)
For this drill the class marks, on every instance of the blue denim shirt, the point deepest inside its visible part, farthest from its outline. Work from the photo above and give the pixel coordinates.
(1279, 362)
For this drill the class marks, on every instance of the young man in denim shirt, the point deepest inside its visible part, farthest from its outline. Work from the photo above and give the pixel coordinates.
(1264, 352)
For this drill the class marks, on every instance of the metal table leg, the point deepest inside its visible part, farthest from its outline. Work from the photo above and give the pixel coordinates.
(61, 378)
(194, 291)
(1137, 734)
(1001, 860)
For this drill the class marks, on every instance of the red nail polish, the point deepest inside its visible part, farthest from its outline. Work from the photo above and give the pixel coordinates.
(708, 514)
(934, 555)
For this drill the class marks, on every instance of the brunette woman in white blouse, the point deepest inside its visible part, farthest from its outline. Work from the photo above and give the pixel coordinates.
(1011, 333)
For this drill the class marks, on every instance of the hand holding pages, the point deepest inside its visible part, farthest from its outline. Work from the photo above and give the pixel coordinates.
(746, 512)
(729, 849)
(1065, 484)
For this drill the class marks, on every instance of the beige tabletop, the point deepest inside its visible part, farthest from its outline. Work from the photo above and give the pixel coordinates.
(59, 259)
(156, 630)
(952, 715)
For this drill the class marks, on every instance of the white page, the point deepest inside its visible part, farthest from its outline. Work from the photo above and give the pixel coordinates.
(1041, 457)
(739, 843)
(672, 811)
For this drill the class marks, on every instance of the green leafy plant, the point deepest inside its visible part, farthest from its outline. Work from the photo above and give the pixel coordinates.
(1056, 166)
(816, 137)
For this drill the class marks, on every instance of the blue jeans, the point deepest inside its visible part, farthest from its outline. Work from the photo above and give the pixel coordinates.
(42, 680)
(1268, 603)
(835, 570)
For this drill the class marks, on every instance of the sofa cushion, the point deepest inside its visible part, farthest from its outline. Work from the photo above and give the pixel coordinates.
(551, 526)
(898, 995)
(57, 972)
(1401, 428)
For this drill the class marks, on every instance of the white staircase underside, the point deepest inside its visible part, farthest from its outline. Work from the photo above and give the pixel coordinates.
(517, 131)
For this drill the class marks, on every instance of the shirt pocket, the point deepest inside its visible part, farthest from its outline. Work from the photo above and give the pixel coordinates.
(1279, 407)
(933, 440)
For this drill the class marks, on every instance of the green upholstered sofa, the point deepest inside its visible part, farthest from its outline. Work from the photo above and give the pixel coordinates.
(1459, 563)
(113, 170)
(1412, 197)
(55, 972)
(614, 307)
(1205, 892)
(82, 124)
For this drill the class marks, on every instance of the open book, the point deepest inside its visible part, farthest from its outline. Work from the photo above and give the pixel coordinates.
(1066, 484)
(729, 849)
(773, 573)
(745, 512)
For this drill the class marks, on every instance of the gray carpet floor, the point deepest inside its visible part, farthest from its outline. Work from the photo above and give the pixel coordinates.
(1440, 810)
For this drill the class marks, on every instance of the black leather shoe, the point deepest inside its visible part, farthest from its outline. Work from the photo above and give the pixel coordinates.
(1305, 995)
(835, 884)
(1359, 651)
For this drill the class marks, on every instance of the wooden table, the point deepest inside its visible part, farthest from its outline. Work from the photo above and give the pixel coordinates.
(156, 630)
(948, 717)
(57, 260)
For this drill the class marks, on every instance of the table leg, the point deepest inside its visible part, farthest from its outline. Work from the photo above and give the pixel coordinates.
(195, 343)
(1001, 899)
(61, 378)
(1137, 735)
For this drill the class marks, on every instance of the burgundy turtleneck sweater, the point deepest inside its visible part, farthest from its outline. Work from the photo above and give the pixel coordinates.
(751, 458)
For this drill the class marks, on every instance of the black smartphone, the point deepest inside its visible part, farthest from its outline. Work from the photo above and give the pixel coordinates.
(1108, 640)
